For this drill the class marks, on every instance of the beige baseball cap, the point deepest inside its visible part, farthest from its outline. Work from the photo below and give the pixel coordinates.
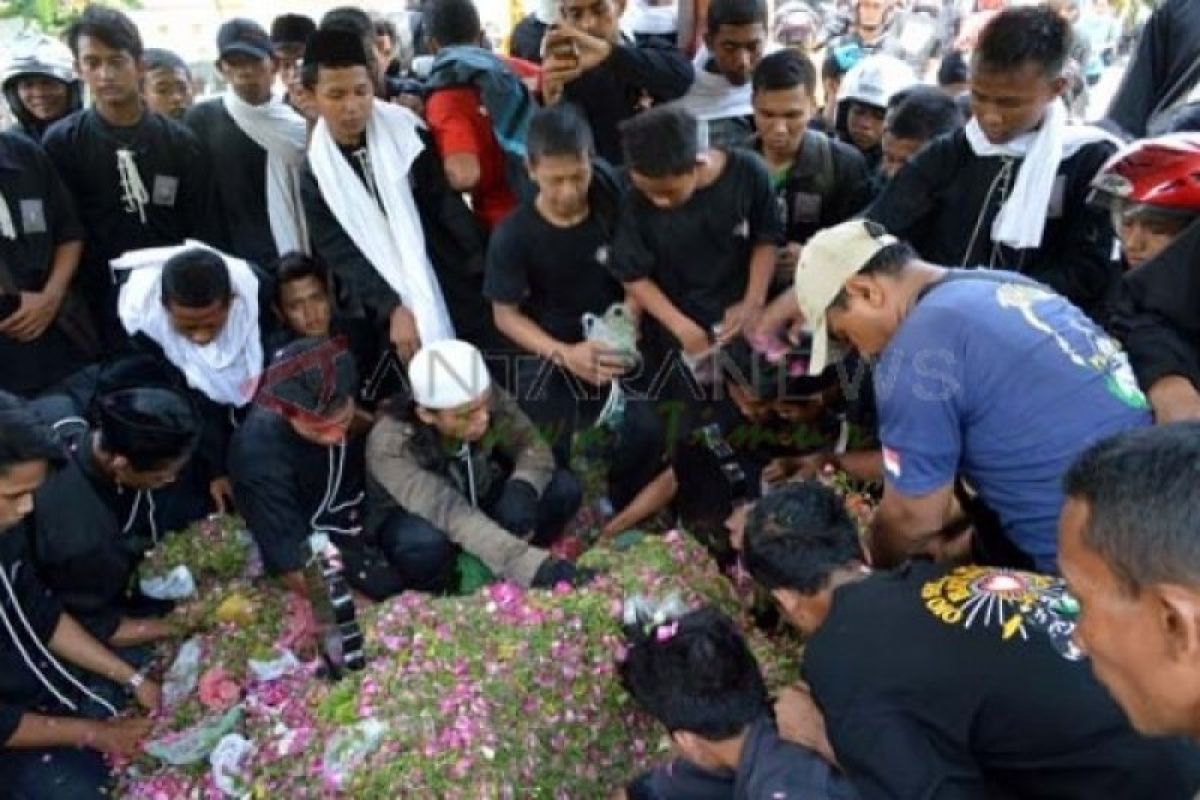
(827, 261)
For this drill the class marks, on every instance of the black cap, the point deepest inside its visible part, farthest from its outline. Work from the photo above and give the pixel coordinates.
(336, 48)
(292, 29)
(244, 36)
(152, 422)
(315, 374)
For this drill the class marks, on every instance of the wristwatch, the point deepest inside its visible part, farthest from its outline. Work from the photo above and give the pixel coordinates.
(136, 681)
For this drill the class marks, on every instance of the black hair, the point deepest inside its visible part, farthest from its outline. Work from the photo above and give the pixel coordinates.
(291, 29)
(452, 22)
(158, 58)
(195, 278)
(1142, 491)
(662, 142)
(923, 113)
(149, 426)
(23, 437)
(735, 12)
(348, 18)
(953, 69)
(891, 260)
(1017, 36)
(294, 266)
(798, 536)
(785, 69)
(558, 130)
(694, 674)
(108, 25)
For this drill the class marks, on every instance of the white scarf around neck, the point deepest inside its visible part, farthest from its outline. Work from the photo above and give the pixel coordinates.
(394, 242)
(1022, 219)
(227, 369)
(277, 128)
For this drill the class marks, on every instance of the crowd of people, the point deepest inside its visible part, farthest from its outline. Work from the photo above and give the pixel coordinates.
(388, 305)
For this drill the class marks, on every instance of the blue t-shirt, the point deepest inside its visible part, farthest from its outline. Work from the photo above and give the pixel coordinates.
(999, 380)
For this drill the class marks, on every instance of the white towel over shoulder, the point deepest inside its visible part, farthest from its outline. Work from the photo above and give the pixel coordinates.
(394, 243)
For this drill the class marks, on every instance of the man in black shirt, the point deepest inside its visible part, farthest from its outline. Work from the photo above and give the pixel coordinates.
(203, 316)
(719, 97)
(45, 332)
(589, 62)
(139, 179)
(97, 516)
(298, 468)
(406, 250)
(982, 691)
(818, 181)
(1009, 191)
(547, 271)
(258, 141)
(696, 241)
(54, 728)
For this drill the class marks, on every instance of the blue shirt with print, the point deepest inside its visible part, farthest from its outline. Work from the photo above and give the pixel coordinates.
(999, 380)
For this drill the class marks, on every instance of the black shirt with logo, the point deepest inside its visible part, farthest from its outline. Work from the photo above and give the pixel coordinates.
(173, 171)
(699, 254)
(556, 274)
(43, 219)
(963, 682)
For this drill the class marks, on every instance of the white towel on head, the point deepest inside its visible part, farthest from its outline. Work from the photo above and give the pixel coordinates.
(227, 369)
(1022, 219)
(394, 242)
(283, 133)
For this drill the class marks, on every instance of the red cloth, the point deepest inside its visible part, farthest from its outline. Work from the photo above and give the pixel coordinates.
(460, 126)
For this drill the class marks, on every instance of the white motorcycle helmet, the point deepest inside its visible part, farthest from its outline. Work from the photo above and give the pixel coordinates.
(39, 55)
(875, 80)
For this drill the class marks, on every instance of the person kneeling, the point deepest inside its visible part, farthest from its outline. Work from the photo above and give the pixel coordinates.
(55, 728)
(696, 676)
(98, 515)
(984, 692)
(462, 465)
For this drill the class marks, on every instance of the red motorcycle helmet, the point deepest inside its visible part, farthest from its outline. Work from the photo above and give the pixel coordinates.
(1161, 175)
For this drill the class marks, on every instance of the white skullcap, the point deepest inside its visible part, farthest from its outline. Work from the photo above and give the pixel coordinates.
(448, 374)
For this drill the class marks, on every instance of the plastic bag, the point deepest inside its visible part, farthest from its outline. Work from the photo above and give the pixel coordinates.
(284, 664)
(181, 679)
(229, 759)
(175, 585)
(194, 744)
(347, 748)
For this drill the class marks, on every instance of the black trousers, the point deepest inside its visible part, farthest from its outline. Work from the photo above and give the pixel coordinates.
(410, 553)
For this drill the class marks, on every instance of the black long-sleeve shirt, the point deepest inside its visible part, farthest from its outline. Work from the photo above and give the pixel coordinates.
(946, 199)
(239, 182)
(20, 689)
(1164, 68)
(176, 177)
(610, 93)
(1156, 313)
(43, 219)
(454, 241)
